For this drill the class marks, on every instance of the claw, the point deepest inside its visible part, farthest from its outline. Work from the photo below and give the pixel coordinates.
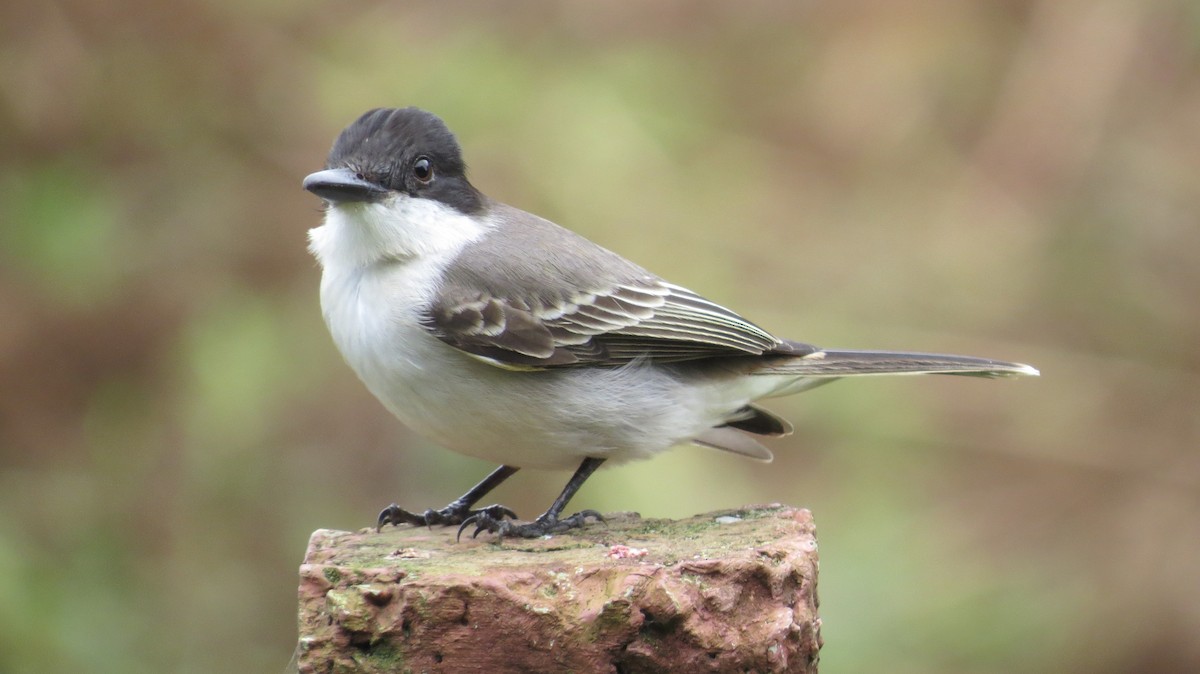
(384, 518)
(466, 523)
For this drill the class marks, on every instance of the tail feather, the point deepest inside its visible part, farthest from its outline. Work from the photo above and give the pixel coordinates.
(843, 363)
(756, 420)
(797, 370)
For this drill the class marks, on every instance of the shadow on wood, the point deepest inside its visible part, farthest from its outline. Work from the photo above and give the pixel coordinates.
(730, 591)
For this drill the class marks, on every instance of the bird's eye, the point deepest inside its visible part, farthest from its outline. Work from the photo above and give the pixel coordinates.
(423, 169)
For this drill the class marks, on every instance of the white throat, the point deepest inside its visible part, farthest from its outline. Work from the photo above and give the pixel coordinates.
(400, 227)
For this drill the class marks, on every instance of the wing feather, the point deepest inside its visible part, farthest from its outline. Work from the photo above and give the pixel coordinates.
(642, 318)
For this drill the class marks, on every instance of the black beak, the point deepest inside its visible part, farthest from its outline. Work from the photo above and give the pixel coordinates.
(342, 186)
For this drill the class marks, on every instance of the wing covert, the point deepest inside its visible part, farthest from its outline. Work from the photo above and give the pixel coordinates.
(643, 318)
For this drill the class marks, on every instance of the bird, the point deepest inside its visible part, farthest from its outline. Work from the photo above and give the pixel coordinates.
(500, 335)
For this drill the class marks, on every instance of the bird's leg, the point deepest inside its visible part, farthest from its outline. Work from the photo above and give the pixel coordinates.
(548, 522)
(459, 510)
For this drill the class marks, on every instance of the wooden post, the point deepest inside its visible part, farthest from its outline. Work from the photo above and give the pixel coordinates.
(732, 591)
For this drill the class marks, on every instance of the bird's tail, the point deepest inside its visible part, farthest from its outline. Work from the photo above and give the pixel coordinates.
(786, 374)
(831, 363)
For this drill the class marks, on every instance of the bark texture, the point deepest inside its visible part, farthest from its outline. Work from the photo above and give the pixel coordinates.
(732, 591)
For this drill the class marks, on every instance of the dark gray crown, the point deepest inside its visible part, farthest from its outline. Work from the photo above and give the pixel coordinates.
(383, 145)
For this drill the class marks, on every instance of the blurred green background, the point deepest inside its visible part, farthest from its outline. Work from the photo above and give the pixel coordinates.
(1016, 179)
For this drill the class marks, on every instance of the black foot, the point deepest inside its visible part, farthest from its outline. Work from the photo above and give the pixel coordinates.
(542, 526)
(455, 513)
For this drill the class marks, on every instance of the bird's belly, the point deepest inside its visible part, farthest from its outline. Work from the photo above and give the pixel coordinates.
(539, 419)
(529, 419)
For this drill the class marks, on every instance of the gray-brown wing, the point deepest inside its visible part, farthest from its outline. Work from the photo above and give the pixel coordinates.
(643, 318)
